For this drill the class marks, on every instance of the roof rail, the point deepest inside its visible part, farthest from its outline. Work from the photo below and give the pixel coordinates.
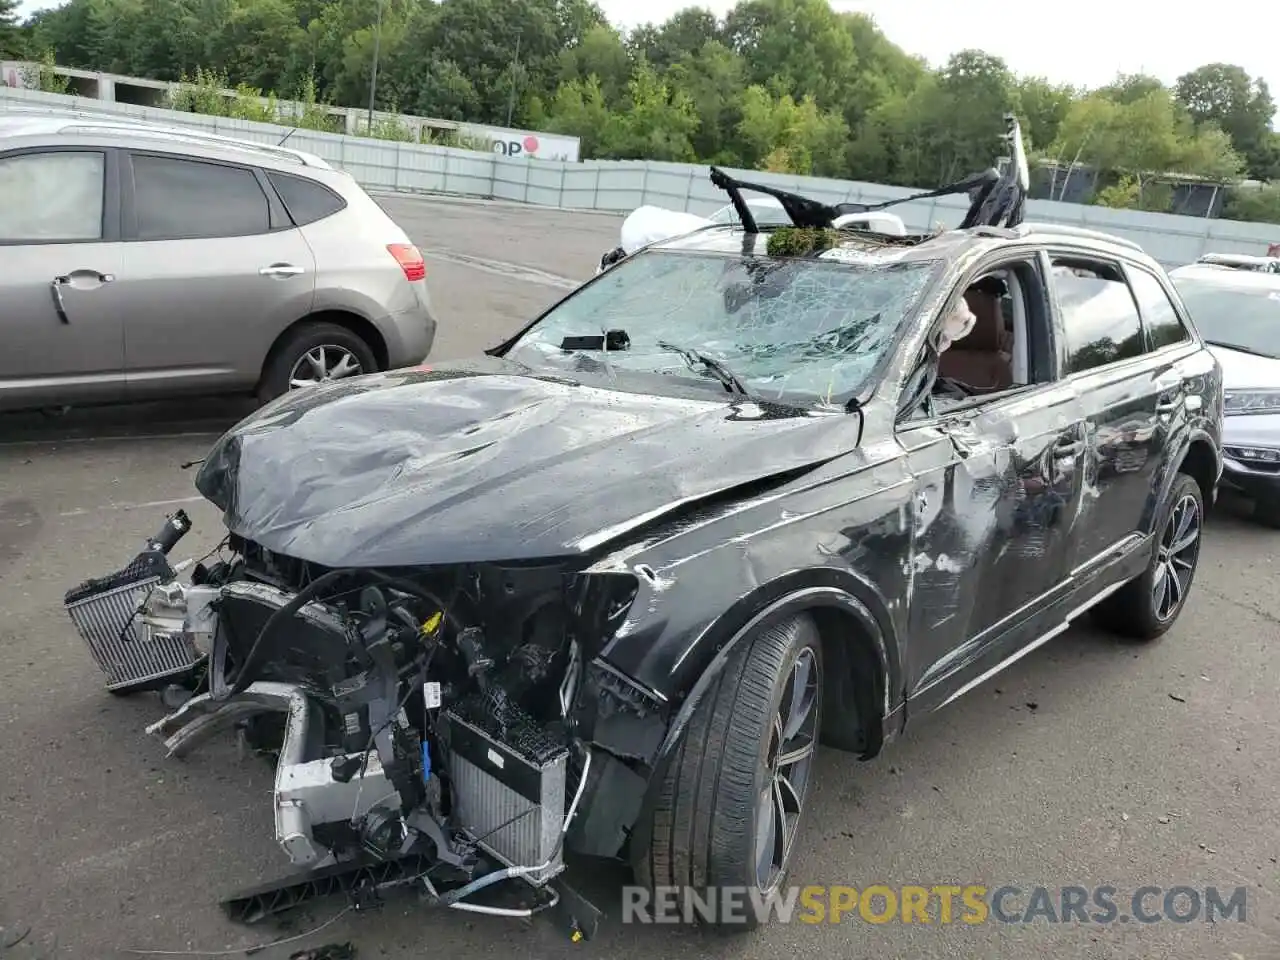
(147, 128)
(1084, 233)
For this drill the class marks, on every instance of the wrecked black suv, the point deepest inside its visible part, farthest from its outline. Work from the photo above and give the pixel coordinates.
(604, 589)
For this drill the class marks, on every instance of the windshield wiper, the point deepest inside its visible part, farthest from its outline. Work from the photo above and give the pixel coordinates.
(718, 369)
(1240, 349)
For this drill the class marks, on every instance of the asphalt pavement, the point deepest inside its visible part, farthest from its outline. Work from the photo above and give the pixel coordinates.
(1087, 763)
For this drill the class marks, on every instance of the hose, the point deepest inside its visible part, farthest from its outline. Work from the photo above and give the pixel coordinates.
(244, 675)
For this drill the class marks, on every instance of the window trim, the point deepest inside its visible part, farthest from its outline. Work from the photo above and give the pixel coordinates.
(1175, 301)
(277, 218)
(111, 193)
(1003, 258)
(1120, 264)
(275, 192)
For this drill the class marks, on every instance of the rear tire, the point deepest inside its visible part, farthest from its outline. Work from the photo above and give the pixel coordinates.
(300, 348)
(716, 817)
(1147, 606)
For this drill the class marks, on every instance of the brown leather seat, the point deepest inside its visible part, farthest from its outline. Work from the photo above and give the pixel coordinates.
(980, 360)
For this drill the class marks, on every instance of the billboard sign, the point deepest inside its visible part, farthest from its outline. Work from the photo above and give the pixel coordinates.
(528, 144)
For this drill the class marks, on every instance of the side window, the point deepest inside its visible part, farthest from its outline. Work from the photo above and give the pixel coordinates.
(1164, 327)
(52, 197)
(188, 199)
(306, 200)
(992, 338)
(1100, 319)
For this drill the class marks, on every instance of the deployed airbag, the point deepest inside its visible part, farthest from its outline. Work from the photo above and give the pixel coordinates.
(646, 225)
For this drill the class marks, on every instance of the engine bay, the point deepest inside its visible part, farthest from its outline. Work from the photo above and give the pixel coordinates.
(422, 721)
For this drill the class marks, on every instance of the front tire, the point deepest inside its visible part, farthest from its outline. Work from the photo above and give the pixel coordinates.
(729, 809)
(1146, 607)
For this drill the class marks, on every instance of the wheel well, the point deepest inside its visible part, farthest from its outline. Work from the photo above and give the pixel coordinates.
(851, 716)
(361, 327)
(1201, 466)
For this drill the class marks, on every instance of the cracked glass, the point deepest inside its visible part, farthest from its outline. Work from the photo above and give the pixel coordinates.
(798, 330)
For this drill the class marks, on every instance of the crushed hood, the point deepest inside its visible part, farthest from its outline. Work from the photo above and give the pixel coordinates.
(486, 462)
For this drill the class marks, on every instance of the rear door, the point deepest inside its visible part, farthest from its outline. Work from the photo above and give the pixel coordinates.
(60, 314)
(213, 272)
(1127, 376)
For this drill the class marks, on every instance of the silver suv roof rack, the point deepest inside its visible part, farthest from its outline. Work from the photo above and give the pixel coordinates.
(144, 128)
(63, 120)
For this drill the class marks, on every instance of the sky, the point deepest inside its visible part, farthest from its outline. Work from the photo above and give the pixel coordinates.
(1083, 42)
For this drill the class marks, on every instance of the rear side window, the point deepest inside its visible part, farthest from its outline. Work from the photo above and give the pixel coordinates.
(52, 197)
(1164, 327)
(177, 199)
(306, 200)
(1100, 318)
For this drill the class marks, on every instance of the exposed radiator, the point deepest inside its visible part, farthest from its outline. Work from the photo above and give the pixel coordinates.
(105, 614)
(510, 796)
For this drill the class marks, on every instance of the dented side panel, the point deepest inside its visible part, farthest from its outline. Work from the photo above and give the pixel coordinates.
(996, 495)
(844, 526)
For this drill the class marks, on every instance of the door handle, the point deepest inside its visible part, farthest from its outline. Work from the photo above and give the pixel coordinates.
(280, 270)
(65, 280)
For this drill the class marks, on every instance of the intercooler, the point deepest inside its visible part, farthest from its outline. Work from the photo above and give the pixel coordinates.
(132, 652)
(510, 794)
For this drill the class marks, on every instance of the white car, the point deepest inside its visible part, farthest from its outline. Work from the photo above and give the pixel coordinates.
(1238, 314)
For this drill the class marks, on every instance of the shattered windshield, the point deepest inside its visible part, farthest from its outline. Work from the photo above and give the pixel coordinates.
(793, 330)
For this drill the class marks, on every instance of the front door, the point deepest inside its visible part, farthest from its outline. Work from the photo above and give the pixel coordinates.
(213, 272)
(996, 490)
(60, 316)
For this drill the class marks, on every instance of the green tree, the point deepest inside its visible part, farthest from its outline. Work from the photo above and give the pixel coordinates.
(1042, 106)
(1258, 204)
(602, 55)
(713, 78)
(685, 33)
(1143, 139)
(579, 110)
(13, 40)
(1225, 95)
(1128, 88)
(796, 47)
(789, 137)
(948, 127)
(882, 69)
(654, 122)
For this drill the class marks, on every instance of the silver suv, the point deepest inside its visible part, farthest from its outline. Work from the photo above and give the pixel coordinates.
(140, 261)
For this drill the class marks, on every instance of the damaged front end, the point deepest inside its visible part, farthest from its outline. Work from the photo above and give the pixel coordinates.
(435, 727)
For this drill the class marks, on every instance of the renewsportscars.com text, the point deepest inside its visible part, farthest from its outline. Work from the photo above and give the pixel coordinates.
(939, 904)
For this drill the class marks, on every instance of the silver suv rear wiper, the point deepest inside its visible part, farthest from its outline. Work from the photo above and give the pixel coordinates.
(718, 369)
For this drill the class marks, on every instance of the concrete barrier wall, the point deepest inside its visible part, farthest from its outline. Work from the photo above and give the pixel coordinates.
(621, 186)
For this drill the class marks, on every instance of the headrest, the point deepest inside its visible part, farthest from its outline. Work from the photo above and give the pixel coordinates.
(988, 331)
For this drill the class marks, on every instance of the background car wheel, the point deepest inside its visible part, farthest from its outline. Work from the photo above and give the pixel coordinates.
(730, 807)
(313, 353)
(1267, 512)
(1146, 607)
